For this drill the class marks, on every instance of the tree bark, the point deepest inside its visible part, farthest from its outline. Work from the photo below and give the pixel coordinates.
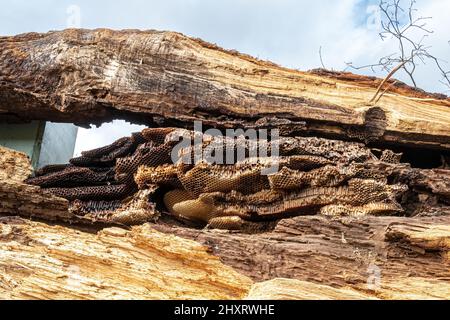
(389, 257)
(165, 78)
(329, 260)
(38, 261)
(93, 76)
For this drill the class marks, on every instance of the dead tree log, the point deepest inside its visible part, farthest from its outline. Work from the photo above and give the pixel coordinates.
(315, 256)
(165, 78)
(326, 261)
(19, 198)
(93, 76)
(403, 257)
(38, 261)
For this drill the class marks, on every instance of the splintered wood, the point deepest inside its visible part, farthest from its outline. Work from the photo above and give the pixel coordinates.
(359, 208)
(39, 261)
(14, 165)
(166, 78)
(18, 198)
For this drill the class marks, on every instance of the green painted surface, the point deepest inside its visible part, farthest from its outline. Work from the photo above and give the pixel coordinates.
(23, 137)
(44, 142)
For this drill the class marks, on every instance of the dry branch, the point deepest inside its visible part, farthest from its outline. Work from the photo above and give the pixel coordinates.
(92, 76)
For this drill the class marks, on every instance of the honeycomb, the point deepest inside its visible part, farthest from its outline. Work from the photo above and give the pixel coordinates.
(117, 183)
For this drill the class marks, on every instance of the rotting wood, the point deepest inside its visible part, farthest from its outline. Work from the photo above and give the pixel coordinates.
(14, 165)
(93, 76)
(342, 252)
(19, 198)
(41, 261)
(289, 289)
(331, 257)
(165, 78)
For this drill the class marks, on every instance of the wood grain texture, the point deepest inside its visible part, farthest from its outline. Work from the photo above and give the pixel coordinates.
(42, 261)
(39, 261)
(319, 257)
(166, 78)
(411, 288)
(14, 165)
(422, 238)
(18, 198)
(92, 76)
(340, 252)
(290, 289)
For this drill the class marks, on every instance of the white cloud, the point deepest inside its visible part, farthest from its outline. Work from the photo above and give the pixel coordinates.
(88, 139)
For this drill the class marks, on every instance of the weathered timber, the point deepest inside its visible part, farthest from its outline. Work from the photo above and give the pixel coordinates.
(318, 256)
(340, 252)
(18, 198)
(41, 261)
(14, 165)
(165, 78)
(93, 76)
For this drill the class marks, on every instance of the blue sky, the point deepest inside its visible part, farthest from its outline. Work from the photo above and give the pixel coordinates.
(288, 32)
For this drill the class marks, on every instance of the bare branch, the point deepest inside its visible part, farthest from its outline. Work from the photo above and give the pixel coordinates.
(386, 90)
(321, 59)
(403, 26)
(401, 65)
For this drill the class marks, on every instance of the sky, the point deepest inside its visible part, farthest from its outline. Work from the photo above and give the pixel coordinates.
(287, 32)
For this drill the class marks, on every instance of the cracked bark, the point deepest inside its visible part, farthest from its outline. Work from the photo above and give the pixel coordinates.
(310, 256)
(166, 78)
(304, 258)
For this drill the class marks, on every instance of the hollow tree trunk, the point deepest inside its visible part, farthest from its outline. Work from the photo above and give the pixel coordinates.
(85, 76)
(165, 78)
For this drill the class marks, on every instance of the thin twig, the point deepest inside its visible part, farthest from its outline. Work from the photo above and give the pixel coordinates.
(321, 60)
(385, 90)
(411, 51)
(393, 71)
